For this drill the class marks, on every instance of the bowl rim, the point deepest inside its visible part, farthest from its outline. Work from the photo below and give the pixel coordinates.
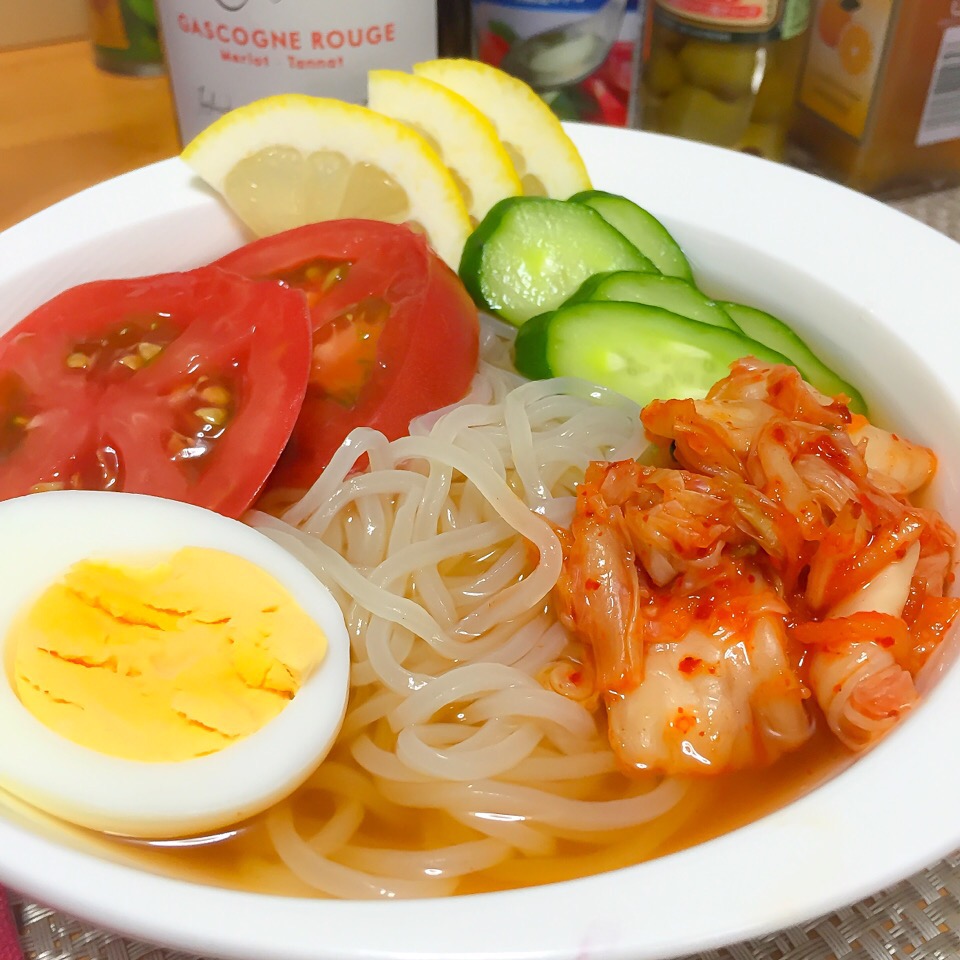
(851, 836)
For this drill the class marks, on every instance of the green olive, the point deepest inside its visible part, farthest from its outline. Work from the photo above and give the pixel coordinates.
(650, 110)
(662, 73)
(665, 38)
(725, 69)
(698, 115)
(774, 99)
(764, 140)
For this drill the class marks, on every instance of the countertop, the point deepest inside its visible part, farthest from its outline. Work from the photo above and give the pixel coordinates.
(65, 125)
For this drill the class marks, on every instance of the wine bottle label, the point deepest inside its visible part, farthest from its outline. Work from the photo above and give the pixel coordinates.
(222, 54)
(578, 54)
(735, 20)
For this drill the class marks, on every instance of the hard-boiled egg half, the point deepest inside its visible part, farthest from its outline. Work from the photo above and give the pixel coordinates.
(167, 671)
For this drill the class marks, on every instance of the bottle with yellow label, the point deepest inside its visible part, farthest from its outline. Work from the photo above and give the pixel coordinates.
(723, 71)
(879, 97)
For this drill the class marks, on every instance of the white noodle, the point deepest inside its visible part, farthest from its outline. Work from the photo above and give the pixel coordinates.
(442, 559)
(537, 804)
(460, 683)
(515, 832)
(383, 763)
(368, 712)
(487, 760)
(335, 879)
(535, 703)
(339, 829)
(454, 861)
(539, 769)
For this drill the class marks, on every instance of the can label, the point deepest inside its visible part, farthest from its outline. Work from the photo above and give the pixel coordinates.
(757, 15)
(735, 20)
(941, 110)
(840, 75)
(578, 54)
(222, 54)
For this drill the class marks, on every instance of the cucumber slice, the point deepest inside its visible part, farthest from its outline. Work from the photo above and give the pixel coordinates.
(529, 254)
(643, 352)
(642, 229)
(671, 293)
(766, 328)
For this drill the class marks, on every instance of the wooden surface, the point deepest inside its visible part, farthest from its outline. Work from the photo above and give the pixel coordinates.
(65, 125)
(29, 22)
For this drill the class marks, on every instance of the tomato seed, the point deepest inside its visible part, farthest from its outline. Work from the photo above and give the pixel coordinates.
(78, 361)
(148, 350)
(215, 416)
(333, 276)
(217, 396)
(47, 487)
(178, 443)
(131, 361)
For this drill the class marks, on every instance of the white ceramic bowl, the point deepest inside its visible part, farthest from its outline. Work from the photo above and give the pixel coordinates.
(874, 291)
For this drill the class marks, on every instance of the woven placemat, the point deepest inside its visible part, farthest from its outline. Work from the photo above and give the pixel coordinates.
(940, 210)
(918, 919)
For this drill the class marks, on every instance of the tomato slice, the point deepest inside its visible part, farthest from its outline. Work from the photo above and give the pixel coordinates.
(181, 385)
(395, 334)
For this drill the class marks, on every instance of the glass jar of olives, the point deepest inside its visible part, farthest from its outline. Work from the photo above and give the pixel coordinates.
(723, 71)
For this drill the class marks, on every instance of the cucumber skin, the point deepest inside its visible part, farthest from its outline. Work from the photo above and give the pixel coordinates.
(589, 287)
(472, 262)
(471, 259)
(592, 285)
(681, 265)
(532, 347)
(811, 367)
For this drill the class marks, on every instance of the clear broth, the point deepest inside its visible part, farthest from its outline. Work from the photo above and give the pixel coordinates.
(244, 858)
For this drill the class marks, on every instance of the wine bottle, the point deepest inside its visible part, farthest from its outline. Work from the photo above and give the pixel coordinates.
(222, 54)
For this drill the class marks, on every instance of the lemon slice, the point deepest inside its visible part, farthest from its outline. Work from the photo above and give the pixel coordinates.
(292, 159)
(545, 157)
(465, 139)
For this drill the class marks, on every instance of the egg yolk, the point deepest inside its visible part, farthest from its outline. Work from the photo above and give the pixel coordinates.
(166, 661)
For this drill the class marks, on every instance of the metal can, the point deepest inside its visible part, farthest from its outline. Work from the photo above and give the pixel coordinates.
(578, 54)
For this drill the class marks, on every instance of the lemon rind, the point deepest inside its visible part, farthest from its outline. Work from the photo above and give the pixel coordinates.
(468, 139)
(520, 117)
(310, 124)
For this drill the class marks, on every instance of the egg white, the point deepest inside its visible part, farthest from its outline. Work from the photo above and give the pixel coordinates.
(45, 533)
